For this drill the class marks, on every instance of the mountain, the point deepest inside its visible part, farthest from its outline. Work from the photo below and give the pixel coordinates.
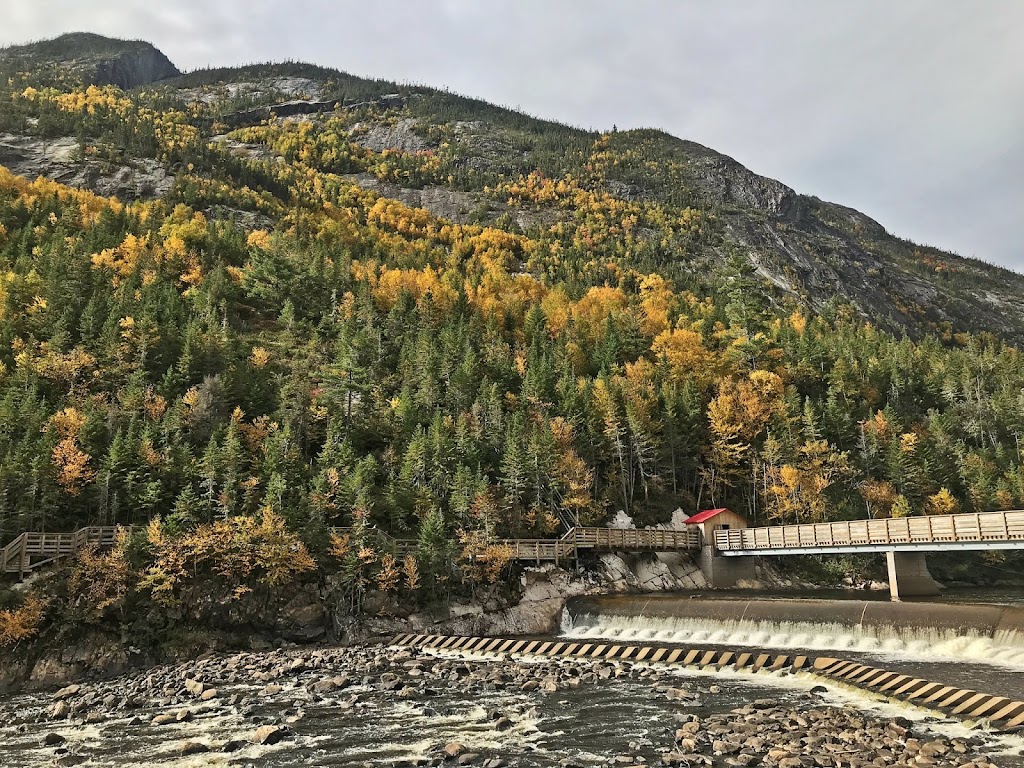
(803, 247)
(244, 309)
(94, 58)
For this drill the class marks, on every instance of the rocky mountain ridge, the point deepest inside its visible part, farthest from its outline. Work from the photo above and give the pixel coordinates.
(803, 248)
(96, 59)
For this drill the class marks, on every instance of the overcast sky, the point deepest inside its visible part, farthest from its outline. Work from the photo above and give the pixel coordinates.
(912, 112)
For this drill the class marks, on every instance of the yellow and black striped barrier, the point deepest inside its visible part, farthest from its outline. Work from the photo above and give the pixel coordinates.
(960, 702)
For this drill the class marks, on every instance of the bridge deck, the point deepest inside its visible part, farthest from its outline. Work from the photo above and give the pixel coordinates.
(33, 549)
(982, 530)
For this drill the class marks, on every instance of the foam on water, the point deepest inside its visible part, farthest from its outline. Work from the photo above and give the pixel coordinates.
(1005, 649)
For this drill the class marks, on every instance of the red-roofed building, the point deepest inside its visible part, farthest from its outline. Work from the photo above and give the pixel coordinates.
(711, 520)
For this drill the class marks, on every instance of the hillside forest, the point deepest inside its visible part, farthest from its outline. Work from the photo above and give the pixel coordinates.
(267, 365)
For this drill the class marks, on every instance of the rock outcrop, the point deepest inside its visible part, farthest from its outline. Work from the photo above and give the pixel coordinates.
(96, 59)
(134, 68)
(61, 159)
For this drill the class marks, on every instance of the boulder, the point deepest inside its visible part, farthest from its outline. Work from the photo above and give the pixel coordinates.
(66, 692)
(453, 749)
(270, 734)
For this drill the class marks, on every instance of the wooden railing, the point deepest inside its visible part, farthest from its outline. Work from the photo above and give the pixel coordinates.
(931, 529)
(31, 549)
(635, 540)
(557, 550)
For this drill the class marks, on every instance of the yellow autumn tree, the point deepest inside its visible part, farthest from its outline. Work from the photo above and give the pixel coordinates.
(482, 562)
(686, 355)
(656, 300)
(574, 477)
(942, 503)
(879, 496)
(259, 358)
(23, 622)
(102, 579)
(737, 416)
(390, 574)
(797, 491)
(241, 551)
(411, 572)
(72, 466)
(596, 307)
(66, 423)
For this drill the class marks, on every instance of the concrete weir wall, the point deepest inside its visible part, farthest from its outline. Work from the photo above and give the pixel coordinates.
(978, 619)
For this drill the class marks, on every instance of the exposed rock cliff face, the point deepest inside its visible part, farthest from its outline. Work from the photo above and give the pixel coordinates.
(60, 159)
(134, 68)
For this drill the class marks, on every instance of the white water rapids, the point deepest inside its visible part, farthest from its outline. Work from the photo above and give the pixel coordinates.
(1005, 648)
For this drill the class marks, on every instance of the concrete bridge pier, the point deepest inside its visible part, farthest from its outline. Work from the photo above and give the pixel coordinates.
(724, 572)
(909, 576)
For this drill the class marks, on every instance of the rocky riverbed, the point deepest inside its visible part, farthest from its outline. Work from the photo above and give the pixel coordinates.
(374, 706)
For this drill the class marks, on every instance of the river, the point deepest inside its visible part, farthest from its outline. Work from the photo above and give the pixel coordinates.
(401, 708)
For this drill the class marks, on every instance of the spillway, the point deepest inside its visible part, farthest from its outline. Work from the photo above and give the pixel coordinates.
(933, 632)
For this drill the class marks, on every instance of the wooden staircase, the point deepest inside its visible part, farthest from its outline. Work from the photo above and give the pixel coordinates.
(32, 550)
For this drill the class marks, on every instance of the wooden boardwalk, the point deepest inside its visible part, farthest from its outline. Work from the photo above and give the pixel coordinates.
(931, 533)
(571, 544)
(985, 530)
(32, 550)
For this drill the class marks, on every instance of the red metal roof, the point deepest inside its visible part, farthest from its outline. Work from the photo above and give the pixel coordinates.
(704, 516)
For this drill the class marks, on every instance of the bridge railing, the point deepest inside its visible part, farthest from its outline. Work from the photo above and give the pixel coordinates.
(971, 527)
(636, 539)
(32, 549)
(575, 539)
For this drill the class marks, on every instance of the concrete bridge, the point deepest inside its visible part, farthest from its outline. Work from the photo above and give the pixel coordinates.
(724, 546)
(904, 540)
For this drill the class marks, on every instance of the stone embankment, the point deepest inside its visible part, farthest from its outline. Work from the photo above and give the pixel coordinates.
(543, 593)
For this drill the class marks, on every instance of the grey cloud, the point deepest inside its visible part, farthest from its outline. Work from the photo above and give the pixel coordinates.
(909, 111)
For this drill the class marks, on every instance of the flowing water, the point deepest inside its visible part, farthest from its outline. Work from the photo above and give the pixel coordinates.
(975, 646)
(1005, 649)
(583, 726)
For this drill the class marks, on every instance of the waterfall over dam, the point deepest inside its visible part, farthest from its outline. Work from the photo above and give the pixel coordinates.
(991, 634)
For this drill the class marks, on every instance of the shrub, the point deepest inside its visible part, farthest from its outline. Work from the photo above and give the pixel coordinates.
(22, 623)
